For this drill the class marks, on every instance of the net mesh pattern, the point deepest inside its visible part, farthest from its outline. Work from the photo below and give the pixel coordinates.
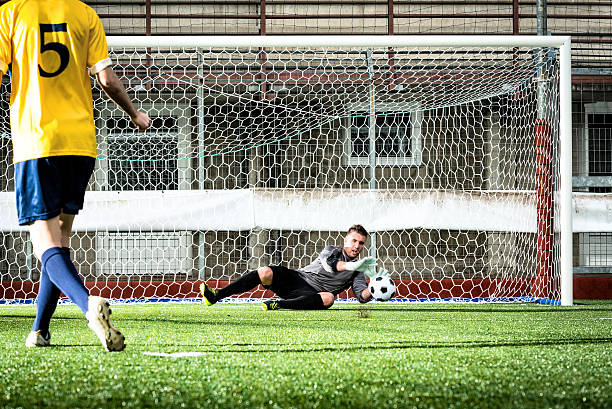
(255, 157)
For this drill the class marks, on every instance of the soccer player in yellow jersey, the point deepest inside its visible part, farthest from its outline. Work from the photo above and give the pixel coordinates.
(53, 46)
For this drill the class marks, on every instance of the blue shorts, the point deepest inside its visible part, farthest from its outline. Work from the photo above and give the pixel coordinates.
(46, 187)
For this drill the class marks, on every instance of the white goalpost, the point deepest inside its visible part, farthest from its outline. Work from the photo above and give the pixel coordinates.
(454, 152)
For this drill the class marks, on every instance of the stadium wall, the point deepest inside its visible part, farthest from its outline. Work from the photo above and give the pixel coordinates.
(585, 288)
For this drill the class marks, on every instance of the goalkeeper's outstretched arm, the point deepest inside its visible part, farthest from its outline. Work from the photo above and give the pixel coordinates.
(360, 288)
(361, 265)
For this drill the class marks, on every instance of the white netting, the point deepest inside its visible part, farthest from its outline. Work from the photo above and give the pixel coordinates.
(448, 156)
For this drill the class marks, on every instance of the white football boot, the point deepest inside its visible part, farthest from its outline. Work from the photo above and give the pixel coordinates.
(35, 339)
(98, 315)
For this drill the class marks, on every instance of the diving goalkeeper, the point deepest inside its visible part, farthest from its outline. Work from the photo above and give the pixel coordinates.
(313, 287)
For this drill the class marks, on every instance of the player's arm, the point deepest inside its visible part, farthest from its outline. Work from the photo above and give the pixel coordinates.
(113, 87)
(99, 64)
(329, 258)
(360, 288)
(341, 265)
(359, 265)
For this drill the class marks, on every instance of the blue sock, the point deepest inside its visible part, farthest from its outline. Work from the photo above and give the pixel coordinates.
(46, 301)
(63, 274)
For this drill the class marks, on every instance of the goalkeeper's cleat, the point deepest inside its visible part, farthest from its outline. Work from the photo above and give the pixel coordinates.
(209, 294)
(36, 339)
(270, 306)
(98, 315)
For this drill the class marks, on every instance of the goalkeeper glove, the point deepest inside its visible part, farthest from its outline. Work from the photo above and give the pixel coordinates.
(382, 273)
(372, 273)
(361, 265)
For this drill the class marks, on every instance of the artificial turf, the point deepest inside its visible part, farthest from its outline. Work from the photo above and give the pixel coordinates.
(380, 355)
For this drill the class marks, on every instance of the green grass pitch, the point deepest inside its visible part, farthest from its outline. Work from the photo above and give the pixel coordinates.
(351, 356)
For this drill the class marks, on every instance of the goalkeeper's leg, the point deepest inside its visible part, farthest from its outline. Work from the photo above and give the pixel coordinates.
(245, 283)
(317, 301)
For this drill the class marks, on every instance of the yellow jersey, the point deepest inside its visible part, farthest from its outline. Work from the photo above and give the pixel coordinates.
(51, 44)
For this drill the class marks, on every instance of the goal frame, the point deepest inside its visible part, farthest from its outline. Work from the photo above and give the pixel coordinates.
(563, 43)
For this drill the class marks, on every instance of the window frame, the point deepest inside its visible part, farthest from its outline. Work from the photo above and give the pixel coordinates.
(416, 145)
(596, 108)
(182, 137)
(593, 240)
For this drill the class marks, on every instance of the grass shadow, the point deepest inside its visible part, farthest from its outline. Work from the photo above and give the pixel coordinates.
(377, 346)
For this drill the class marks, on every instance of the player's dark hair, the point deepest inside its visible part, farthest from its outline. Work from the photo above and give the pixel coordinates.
(358, 229)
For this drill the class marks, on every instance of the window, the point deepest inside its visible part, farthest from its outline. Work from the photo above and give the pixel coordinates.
(595, 249)
(397, 138)
(595, 159)
(600, 147)
(155, 160)
(131, 168)
(144, 254)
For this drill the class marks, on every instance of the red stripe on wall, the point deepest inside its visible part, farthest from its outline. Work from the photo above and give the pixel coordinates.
(585, 287)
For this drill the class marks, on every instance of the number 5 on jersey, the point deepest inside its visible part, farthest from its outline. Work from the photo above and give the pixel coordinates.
(59, 48)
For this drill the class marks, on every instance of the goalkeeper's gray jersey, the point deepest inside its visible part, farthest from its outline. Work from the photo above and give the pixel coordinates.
(322, 275)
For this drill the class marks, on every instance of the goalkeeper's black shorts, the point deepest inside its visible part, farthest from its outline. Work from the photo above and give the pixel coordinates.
(288, 284)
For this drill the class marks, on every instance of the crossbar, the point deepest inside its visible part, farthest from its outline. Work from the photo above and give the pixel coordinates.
(337, 41)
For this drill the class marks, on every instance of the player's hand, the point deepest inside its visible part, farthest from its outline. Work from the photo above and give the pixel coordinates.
(371, 272)
(361, 265)
(382, 273)
(142, 121)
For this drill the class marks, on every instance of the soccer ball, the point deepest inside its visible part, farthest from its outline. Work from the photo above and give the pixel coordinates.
(382, 288)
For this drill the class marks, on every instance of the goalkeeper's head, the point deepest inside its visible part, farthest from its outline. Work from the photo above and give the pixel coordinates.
(355, 240)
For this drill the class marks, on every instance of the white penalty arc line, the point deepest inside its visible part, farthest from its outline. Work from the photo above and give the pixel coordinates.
(175, 354)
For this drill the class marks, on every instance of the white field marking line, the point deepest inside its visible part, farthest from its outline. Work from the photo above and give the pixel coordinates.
(174, 354)
(411, 319)
(432, 319)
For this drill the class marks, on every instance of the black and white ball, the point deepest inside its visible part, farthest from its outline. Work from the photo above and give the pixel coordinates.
(382, 288)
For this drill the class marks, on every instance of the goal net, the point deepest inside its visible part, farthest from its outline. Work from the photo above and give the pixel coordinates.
(264, 150)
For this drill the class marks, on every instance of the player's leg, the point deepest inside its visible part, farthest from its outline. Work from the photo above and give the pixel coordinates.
(46, 302)
(39, 203)
(76, 172)
(295, 292)
(39, 189)
(63, 185)
(62, 273)
(56, 275)
(49, 293)
(66, 221)
(316, 301)
(46, 241)
(44, 188)
(250, 280)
